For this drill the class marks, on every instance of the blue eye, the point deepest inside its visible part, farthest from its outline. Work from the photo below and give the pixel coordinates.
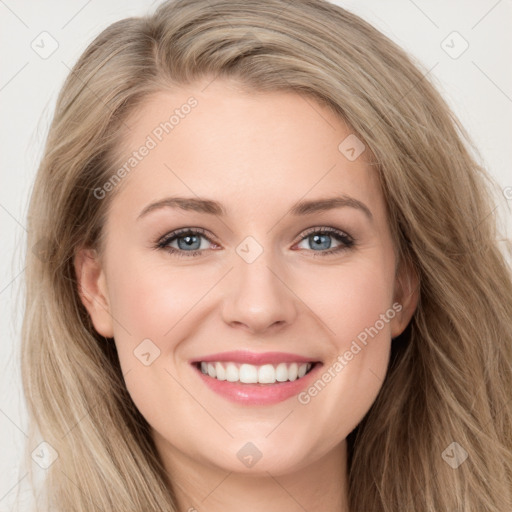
(318, 238)
(188, 241)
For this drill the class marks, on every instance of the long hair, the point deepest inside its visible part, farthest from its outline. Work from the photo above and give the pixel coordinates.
(450, 377)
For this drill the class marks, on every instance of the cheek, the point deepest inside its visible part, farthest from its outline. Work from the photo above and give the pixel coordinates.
(150, 304)
(150, 298)
(350, 299)
(356, 309)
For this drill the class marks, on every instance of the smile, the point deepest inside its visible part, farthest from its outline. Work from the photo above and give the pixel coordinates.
(253, 374)
(251, 378)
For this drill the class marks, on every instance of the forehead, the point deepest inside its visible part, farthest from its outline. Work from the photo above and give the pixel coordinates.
(249, 148)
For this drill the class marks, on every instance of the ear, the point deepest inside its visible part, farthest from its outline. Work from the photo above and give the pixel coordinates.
(93, 292)
(406, 294)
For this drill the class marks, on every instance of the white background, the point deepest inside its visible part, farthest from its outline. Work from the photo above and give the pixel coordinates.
(477, 85)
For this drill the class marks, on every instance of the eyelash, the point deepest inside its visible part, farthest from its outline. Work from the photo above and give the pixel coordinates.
(347, 241)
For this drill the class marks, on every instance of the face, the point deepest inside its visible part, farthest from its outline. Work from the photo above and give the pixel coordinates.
(248, 272)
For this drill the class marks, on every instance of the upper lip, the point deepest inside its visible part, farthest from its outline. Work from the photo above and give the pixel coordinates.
(255, 358)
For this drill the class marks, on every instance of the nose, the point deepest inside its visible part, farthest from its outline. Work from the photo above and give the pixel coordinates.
(258, 298)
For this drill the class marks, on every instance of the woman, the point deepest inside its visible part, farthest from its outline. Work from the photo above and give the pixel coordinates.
(270, 277)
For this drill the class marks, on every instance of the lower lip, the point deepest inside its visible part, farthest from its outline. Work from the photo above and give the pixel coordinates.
(258, 394)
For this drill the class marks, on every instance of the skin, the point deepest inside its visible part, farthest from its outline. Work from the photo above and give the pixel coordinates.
(257, 154)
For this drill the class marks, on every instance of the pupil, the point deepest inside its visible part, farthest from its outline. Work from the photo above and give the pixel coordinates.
(189, 240)
(317, 239)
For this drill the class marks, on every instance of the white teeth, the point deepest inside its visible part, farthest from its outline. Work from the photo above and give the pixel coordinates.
(211, 370)
(293, 371)
(248, 373)
(231, 372)
(221, 373)
(282, 372)
(251, 374)
(266, 374)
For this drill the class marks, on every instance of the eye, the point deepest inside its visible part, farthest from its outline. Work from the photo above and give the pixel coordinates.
(184, 242)
(319, 239)
(187, 242)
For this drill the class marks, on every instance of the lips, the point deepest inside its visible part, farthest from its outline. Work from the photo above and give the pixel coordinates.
(255, 358)
(252, 378)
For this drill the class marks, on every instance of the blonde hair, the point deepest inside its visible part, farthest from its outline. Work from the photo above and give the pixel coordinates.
(450, 374)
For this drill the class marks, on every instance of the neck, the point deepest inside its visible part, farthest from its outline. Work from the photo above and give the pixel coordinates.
(321, 485)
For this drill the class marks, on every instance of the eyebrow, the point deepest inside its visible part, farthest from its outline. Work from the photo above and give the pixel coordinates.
(300, 208)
